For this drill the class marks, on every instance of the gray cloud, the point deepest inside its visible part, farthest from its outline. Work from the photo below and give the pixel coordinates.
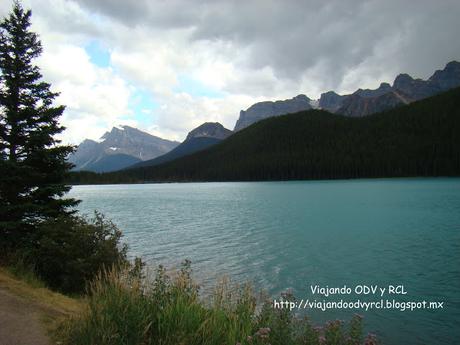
(301, 38)
(164, 14)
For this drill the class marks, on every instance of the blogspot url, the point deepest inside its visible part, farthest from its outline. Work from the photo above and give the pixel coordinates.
(357, 305)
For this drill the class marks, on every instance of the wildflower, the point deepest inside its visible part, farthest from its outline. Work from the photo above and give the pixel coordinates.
(264, 331)
(371, 339)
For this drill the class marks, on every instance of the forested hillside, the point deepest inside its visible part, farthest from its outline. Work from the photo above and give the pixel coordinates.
(420, 139)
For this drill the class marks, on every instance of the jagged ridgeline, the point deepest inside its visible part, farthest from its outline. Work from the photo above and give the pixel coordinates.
(420, 139)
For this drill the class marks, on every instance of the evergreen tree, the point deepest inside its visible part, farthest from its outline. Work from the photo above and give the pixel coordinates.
(32, 163)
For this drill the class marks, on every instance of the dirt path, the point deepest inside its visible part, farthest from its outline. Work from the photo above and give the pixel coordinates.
(21, 321)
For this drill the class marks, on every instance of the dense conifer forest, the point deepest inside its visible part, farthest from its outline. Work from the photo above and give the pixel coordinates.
(420, 139)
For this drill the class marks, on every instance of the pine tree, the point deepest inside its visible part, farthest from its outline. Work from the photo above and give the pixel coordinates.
(32, 163)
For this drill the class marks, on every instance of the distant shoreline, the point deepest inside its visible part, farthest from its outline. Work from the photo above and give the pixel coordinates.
(294, 180)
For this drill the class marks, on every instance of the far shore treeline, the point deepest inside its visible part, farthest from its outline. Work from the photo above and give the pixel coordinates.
(420, 139)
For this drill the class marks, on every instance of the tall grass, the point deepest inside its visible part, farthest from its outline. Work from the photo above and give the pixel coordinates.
(19, 266)
(124, 309)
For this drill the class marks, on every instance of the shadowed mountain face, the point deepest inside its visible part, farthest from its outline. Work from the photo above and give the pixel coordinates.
(263, 110)
(357, 106)
(404, 90)
(119, 148)
(198, 139)
(368, 93)
(107, 163)
(331, 101)
(448, 78)
(186, 148)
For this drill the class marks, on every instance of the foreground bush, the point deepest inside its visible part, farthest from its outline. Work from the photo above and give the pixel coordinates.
(70, 251)
(122, 309)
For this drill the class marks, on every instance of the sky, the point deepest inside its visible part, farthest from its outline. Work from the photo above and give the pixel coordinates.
(167, 66)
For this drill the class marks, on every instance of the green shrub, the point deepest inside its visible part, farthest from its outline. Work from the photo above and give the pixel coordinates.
(70, 251)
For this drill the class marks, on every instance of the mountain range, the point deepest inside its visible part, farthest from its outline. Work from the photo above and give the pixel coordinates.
(418, 139)
(404, 90)
(128, 147)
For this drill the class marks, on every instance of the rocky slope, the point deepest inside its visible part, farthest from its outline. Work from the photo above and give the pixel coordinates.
(331, 101)
(263, 110)
(357, 106)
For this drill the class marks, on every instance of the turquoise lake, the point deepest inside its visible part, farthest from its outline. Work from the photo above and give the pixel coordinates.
(291, 235)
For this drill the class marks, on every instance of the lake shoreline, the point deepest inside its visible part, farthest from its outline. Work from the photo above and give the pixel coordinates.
(274, 180)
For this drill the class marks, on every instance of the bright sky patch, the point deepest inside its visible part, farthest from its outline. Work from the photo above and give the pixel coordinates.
(195, 88)
(98, 54)
(142, 104)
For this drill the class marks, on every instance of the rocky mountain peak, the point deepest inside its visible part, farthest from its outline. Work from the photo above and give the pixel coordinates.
(330, 101)
(126, 144)
(263, 110)
(302, 98)
(402, 81)
(114, 132)
(447, 78)
(381, 90)
(88, 142)
(452, 66)
(209, 130)
(330, 94)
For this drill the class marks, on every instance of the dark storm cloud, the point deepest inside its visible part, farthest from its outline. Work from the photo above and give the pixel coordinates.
(162, 13)
(295, 38)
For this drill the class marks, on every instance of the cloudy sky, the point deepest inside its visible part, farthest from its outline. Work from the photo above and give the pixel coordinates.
(166, 66)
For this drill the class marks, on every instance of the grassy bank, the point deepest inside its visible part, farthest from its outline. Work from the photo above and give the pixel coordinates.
(24, 289)
(32, 289)
(167, 309)
(125, 307)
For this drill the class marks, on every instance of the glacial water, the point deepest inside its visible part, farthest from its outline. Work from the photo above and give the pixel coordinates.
(291, 235)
